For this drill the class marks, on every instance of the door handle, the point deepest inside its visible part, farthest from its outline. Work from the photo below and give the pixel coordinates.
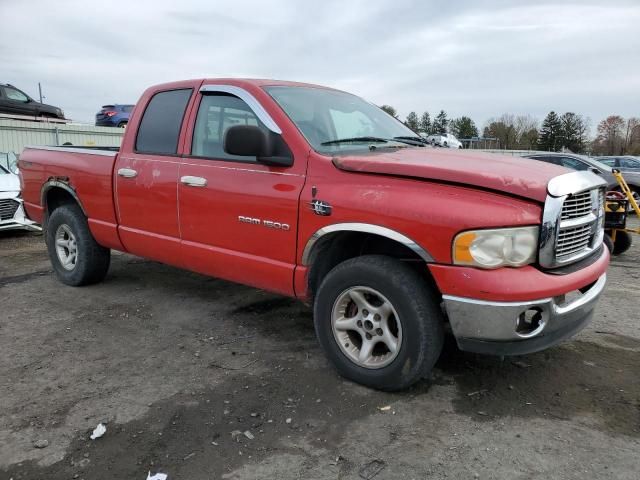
(127, 173)
(193, 181)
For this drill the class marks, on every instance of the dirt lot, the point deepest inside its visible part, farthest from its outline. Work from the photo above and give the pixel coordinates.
(179, 366)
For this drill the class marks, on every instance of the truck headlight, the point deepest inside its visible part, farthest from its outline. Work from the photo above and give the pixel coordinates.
(500, 247)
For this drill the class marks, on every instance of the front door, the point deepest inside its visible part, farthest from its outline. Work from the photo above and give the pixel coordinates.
(238, 218)
(146, 180)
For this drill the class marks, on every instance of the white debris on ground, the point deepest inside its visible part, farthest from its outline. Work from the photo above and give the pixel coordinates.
(157, 476)
(99, 431)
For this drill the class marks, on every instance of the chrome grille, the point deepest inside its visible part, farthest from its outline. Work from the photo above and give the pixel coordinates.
(574, 239)
(580, 225)
(572, 220)
(8, 208)
(576, 206)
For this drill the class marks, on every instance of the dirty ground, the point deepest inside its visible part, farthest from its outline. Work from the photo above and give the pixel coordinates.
(203, 379)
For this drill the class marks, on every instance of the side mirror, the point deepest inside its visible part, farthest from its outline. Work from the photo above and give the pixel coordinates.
(252, 141)
(596, 171)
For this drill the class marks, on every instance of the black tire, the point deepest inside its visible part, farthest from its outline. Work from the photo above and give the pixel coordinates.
(91, 260)
(622, 243)
(608, 243)
(418, 310)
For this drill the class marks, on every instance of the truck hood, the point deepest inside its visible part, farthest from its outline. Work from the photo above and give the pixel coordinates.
(514, 175)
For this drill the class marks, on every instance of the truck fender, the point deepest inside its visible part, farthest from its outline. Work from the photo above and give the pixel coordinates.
(62, 183)
(364, 228)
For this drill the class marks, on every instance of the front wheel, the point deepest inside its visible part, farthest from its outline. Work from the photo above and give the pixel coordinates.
(76, 257)
(378, 322)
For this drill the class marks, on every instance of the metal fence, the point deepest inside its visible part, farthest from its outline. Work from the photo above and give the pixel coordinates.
(17, 134)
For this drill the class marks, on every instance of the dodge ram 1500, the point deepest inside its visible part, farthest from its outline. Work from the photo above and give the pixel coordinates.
(315, 193)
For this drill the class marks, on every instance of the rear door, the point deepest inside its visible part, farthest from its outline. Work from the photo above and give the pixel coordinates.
(238, 217)
(146, 179)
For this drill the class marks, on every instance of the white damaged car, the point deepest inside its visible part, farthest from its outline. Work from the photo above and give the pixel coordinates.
(11, 209)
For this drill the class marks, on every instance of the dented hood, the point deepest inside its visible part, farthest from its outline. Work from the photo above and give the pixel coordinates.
(514, 175)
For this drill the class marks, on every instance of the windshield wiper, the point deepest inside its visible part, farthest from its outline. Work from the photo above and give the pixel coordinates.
(355, 139)
(418, 141)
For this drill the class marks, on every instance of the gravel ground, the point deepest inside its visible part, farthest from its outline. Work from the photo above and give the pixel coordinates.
(203, 379)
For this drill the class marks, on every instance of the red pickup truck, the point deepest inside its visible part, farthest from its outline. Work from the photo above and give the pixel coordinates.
(315, 193)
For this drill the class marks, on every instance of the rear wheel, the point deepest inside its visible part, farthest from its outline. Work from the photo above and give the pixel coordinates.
(76, 257)
(378, 322)
(122, 124)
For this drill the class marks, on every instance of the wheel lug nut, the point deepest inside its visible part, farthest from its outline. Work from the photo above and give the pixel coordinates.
(368, 335)
(377, 317)
(365, 312)
(360, 323)
(379, 331)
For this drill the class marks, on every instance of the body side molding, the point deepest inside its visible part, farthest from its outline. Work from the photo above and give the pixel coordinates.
(364, 228)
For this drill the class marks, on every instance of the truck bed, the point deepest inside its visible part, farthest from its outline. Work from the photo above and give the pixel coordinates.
(86, 172)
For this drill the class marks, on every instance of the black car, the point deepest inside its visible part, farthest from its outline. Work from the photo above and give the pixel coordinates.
(16, 102)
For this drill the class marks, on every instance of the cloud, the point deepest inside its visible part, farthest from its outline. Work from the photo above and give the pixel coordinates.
(469, 58)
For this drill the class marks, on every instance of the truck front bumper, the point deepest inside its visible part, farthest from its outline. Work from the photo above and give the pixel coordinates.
(516, 328)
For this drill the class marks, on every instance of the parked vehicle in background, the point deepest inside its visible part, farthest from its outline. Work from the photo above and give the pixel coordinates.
(446, 140)
(623, 163)
(16, 102)
(583, 163)
(318, 194)
(114, 115)
(12, 215)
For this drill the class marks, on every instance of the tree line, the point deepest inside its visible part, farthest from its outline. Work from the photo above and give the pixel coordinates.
(558, 132)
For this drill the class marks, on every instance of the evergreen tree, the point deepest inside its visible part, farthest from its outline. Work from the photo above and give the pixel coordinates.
(425, 123)
(412, 121)
(440, 123)
(573, 132)
(464, 127)
(550, 137)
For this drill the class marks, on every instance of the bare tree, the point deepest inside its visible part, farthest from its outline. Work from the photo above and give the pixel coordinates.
(632, 136)
(610, 139)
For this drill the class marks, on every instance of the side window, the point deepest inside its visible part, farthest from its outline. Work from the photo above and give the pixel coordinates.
(127, 108)
(609, 161)
(629, 163)
(574, 164)
(160, 125)
(351, 124)
(16, 95)
(216, 114)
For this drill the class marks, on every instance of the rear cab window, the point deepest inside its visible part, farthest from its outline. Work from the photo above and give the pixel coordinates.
(159, 128)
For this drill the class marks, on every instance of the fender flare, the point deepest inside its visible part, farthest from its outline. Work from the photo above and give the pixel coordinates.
(64, 185)
(364, 228)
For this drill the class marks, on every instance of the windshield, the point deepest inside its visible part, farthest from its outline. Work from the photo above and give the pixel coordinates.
(335, 122)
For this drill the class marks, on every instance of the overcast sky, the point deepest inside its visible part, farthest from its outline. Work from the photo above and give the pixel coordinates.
(472, 58)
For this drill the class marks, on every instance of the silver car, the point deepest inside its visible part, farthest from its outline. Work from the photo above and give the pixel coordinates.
(624, 163)
(581, 162)
(11, 209)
